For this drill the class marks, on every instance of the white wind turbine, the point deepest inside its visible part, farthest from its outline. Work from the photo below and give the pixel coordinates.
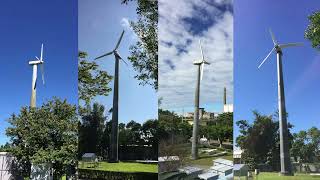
(284, 149)
(35, 64)
(200, 64)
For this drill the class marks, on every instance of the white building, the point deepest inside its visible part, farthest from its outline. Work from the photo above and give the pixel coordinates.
(6, 161)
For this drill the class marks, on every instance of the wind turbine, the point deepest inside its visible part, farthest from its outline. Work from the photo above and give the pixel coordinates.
(284, 149)
(35, 64)
(200, 64)
(114, 129)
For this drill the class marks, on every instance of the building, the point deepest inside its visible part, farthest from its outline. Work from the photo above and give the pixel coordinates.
(237, 155)
(205, 117)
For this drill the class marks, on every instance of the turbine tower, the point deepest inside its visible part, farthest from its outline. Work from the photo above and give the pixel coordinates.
(114, 129)
(34, 65)
(284, 149)
(200, 64)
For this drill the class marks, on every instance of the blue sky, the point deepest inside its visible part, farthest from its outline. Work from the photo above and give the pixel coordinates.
(257, 89)
(24, 26)
(181, 25)
(100, 25)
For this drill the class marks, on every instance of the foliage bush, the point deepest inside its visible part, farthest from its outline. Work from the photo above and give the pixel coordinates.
(110, 175)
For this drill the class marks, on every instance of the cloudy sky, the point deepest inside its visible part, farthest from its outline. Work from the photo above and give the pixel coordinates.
(181, 25)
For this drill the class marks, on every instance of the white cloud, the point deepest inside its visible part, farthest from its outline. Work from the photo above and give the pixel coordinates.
(125, 23)
(177, 86)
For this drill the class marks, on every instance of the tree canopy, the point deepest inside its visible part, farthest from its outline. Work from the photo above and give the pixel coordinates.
(91, 80)
(47, 134)
(260, 140)
(91, 131)
(306, 145)
(312, 32)
(95, 130)
(144, 54)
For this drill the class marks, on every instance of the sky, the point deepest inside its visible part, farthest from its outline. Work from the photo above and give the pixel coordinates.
(181, 25)
(257, 89)
(24, 26)
(100, 25)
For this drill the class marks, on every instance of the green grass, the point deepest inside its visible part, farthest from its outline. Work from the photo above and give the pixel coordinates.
(63, 178)
(205, 160)
(275, 176)
(122, 167)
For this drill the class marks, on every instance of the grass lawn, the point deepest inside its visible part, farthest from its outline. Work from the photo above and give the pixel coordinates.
(122, 167)
(63, 178)
(275, 176)
(206, 161)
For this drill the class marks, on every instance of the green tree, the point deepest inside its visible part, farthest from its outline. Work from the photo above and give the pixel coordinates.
(135, 131)
(91, 80)
(150, 133)
(91, 130)
(306, 145)
(5, 147)
(260, 140)
(220, 129)
(144, 54)
(312, 32)
(47, 134)
(172, 127)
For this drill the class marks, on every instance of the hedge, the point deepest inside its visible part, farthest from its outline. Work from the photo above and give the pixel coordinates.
(111, 175)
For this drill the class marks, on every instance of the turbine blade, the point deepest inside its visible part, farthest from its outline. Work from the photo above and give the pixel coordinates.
(107, 54)
(290, 45)
(119, 40)
(273, 37)
(201, 50)
(41, 52)
(37, 58)
(42, 72)
(266, 57)
(201, 73)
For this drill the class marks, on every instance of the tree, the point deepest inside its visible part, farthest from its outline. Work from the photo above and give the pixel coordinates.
(47, 134)
(306, 145)
(5, 147)
(91, 81)
(144, 54)
(91, 130)
(171, 127)
(221, 128)
(150, 133)
(260, 140)
(312, 32)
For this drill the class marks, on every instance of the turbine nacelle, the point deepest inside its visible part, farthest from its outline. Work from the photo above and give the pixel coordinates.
(202, 62)
(35, 62)
(39, 61)
(114, 51)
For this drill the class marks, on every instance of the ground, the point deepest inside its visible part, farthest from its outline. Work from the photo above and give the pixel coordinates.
(205, 160)
(121, 167)
(275, 176)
